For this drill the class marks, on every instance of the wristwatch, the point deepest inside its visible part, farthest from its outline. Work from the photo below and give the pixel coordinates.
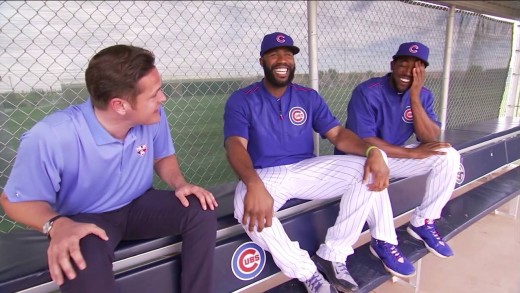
(48, 225)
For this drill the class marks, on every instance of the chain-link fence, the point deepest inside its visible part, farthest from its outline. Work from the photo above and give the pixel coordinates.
(207, 49)
(364, 35)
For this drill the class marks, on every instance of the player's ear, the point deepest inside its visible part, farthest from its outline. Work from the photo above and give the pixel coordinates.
(118, 105)
(261, 61)
(392, 65)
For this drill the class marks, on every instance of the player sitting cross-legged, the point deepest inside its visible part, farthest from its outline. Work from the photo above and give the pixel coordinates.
(385, 112)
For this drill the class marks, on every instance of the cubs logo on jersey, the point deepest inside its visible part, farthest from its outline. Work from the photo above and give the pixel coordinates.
(297, 116)
(408, 115)
(248, 261)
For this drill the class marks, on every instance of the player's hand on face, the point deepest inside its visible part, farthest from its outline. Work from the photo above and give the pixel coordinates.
(425, 150)
(376, 171)
(419, 76)
(258, 208)
(64, 247)
(205, 197)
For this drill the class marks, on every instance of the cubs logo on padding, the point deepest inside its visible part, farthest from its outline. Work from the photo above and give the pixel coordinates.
(297, 116)
(248, 261)
(408, 115)
(461, 174)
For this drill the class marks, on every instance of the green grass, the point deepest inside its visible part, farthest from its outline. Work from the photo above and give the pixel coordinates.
(197, 130)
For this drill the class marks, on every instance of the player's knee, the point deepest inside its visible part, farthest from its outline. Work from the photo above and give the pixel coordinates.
(452, 154)
(206, 219)
(98, 275)
(451, 159)
(97, 252)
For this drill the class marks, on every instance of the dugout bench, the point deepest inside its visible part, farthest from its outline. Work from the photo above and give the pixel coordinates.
(154, 265)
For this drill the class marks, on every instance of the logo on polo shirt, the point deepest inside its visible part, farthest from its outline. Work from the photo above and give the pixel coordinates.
(408, 115)
(141, 150)
(248, 261)
(297, 116)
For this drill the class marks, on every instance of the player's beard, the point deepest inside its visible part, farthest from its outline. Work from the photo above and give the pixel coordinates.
(269, 76)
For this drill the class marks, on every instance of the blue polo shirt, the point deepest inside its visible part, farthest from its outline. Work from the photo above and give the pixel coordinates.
(377, 110)
(70, 161)
(279, 131)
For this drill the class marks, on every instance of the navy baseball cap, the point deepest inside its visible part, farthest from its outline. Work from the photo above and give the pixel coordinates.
(276, 40)
(414, 49)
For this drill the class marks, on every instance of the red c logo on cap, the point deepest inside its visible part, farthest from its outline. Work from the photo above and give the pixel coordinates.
(413, 49)
(280, 39)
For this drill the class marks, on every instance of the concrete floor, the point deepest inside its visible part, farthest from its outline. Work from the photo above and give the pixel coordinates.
(487, 259)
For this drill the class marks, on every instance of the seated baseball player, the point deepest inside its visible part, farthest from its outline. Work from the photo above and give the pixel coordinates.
(268, 132)
(385, 112)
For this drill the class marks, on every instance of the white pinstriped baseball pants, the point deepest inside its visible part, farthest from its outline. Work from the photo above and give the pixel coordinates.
(439, 186)
(320, 178)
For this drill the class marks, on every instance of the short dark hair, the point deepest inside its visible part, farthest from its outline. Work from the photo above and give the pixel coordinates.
(115, 71)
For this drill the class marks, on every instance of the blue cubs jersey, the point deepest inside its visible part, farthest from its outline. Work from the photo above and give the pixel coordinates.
(376, 109)
(279, 131)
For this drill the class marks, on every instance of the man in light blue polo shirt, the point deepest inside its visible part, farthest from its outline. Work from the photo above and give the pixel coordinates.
(83, 176)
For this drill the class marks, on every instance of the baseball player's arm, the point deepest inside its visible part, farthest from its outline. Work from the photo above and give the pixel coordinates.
(169, 171)
(258, 203)
(425, 129)
(348, 142)
(422, 151)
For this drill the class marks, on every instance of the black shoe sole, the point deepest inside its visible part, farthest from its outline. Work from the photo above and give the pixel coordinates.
(325, 272)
